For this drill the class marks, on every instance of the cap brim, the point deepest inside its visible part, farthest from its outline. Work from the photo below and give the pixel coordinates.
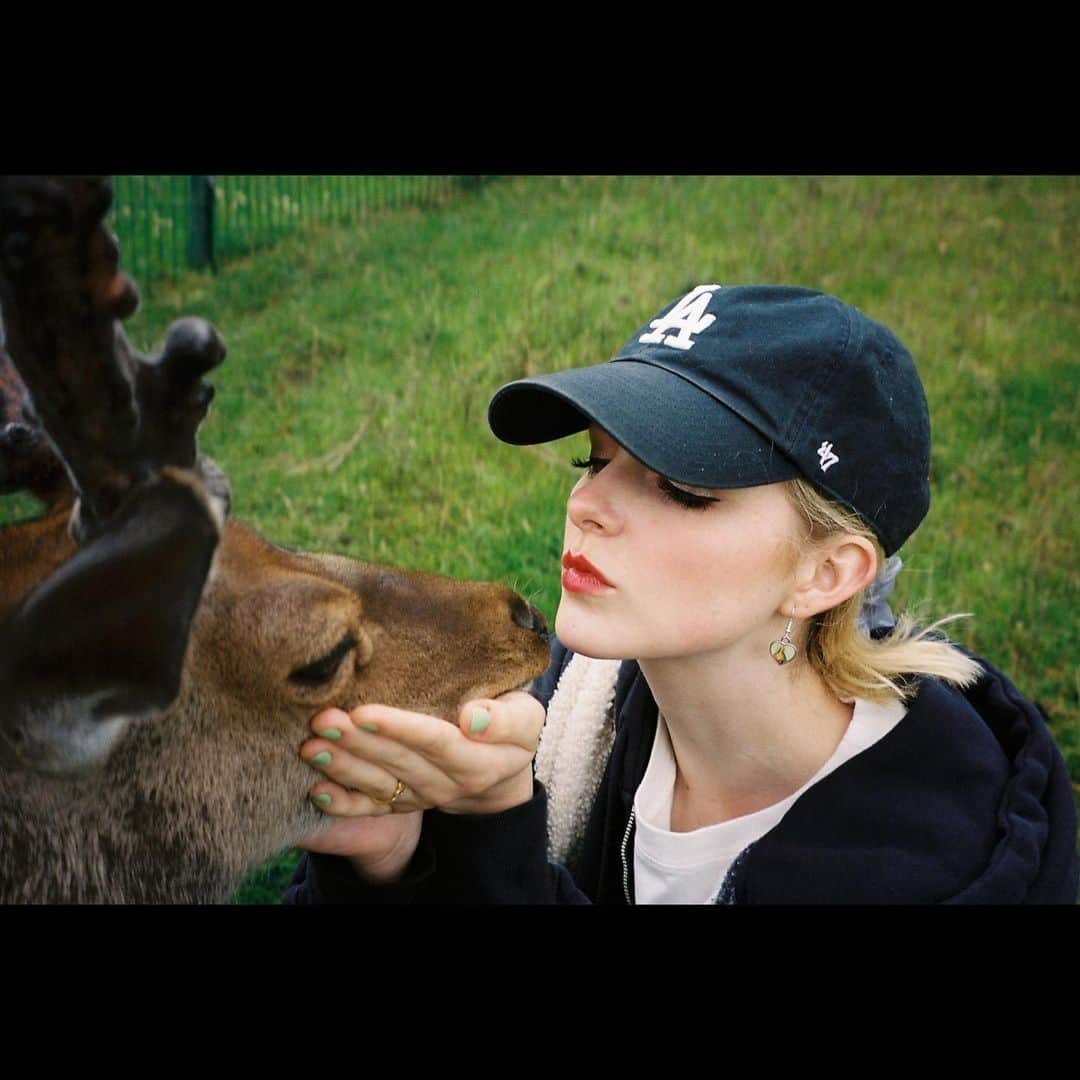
(669, 424)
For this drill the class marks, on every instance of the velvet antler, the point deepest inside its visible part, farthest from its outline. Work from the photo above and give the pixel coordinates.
(102, 638)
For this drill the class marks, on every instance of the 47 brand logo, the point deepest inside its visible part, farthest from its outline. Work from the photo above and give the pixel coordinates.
(826, 456)
(688, 316)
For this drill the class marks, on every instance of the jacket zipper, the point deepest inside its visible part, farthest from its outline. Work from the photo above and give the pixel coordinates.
(625, 865)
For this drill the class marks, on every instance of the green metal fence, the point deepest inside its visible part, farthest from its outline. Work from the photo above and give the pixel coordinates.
(166, 224)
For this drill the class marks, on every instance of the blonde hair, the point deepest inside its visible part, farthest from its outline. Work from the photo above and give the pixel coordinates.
(851, 663)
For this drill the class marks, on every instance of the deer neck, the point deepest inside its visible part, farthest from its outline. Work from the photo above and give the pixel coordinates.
(180, 813)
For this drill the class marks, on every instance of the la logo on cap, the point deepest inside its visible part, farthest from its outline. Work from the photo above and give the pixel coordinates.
(689, 316)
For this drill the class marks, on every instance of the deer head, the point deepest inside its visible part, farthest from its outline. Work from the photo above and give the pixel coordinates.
(161, 664)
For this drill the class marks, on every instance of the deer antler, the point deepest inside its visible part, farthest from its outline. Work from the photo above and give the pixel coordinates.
(27, 460)
(104, 637)
(114, 417)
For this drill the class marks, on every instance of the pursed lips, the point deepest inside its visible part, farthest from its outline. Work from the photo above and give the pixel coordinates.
(579, 575)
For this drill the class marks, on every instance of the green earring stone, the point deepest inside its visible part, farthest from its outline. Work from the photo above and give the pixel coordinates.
(783, 652)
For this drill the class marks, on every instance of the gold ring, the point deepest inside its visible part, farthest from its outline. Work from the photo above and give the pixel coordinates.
(389, 802)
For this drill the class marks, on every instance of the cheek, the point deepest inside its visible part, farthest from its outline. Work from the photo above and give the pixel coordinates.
(714, 576)
(688, 555)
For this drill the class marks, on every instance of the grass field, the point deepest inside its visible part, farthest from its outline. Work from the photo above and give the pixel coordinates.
(350, 414)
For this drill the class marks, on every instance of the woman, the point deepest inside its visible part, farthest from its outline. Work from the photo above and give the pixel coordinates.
(756, 455)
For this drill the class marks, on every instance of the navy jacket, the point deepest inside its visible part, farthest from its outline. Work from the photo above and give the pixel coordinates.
(967, 800)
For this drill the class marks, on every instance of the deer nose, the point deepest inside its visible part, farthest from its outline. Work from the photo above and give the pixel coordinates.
(528, 617)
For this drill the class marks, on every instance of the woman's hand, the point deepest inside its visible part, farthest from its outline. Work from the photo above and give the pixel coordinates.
(379, 848)
(383, 764)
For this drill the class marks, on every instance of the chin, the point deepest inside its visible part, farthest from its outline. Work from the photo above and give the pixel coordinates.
(588, 636)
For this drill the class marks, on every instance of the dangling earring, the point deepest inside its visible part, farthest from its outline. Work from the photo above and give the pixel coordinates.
(782, 651)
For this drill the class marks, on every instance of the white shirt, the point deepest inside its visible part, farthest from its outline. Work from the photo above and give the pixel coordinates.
(689, 867)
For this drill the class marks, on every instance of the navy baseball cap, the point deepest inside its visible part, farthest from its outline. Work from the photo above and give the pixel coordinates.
(733, 386)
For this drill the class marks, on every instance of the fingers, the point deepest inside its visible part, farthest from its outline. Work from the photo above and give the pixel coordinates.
(336, 761)
(366, 754)
(337, 801)
(426, 735)
(494, 738)
(514, 717)
(353, 786)
(359, 758)
(370, 757)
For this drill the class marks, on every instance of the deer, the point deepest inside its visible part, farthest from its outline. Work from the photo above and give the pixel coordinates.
(160, 661)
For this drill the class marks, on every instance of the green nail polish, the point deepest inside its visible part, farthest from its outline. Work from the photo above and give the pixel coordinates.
(330, 733)
(370, 727)
(480, 721)
(321, 758)
(321, 799)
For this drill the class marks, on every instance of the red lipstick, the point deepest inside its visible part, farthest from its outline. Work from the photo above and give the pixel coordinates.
(580, 576)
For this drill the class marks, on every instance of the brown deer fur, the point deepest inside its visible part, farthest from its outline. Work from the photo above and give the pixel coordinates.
(193, 798)
(126, 777)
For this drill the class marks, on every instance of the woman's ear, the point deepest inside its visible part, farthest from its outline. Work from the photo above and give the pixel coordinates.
(837, 572)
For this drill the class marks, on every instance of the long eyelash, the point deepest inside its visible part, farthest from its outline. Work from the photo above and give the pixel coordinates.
(667, 489)
(593, 464)
(683, 498)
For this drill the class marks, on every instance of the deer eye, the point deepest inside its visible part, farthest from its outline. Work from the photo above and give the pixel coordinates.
(324, 669)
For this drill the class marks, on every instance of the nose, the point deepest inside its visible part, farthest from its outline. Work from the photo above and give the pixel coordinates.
(528, 617)
(589, 507)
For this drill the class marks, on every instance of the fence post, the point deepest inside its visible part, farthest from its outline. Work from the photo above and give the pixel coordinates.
(201, 222)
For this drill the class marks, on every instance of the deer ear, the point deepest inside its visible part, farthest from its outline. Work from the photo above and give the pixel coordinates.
(108, 630)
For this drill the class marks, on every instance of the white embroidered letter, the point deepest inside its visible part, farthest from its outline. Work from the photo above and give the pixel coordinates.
(827, 456)
(688, 316)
